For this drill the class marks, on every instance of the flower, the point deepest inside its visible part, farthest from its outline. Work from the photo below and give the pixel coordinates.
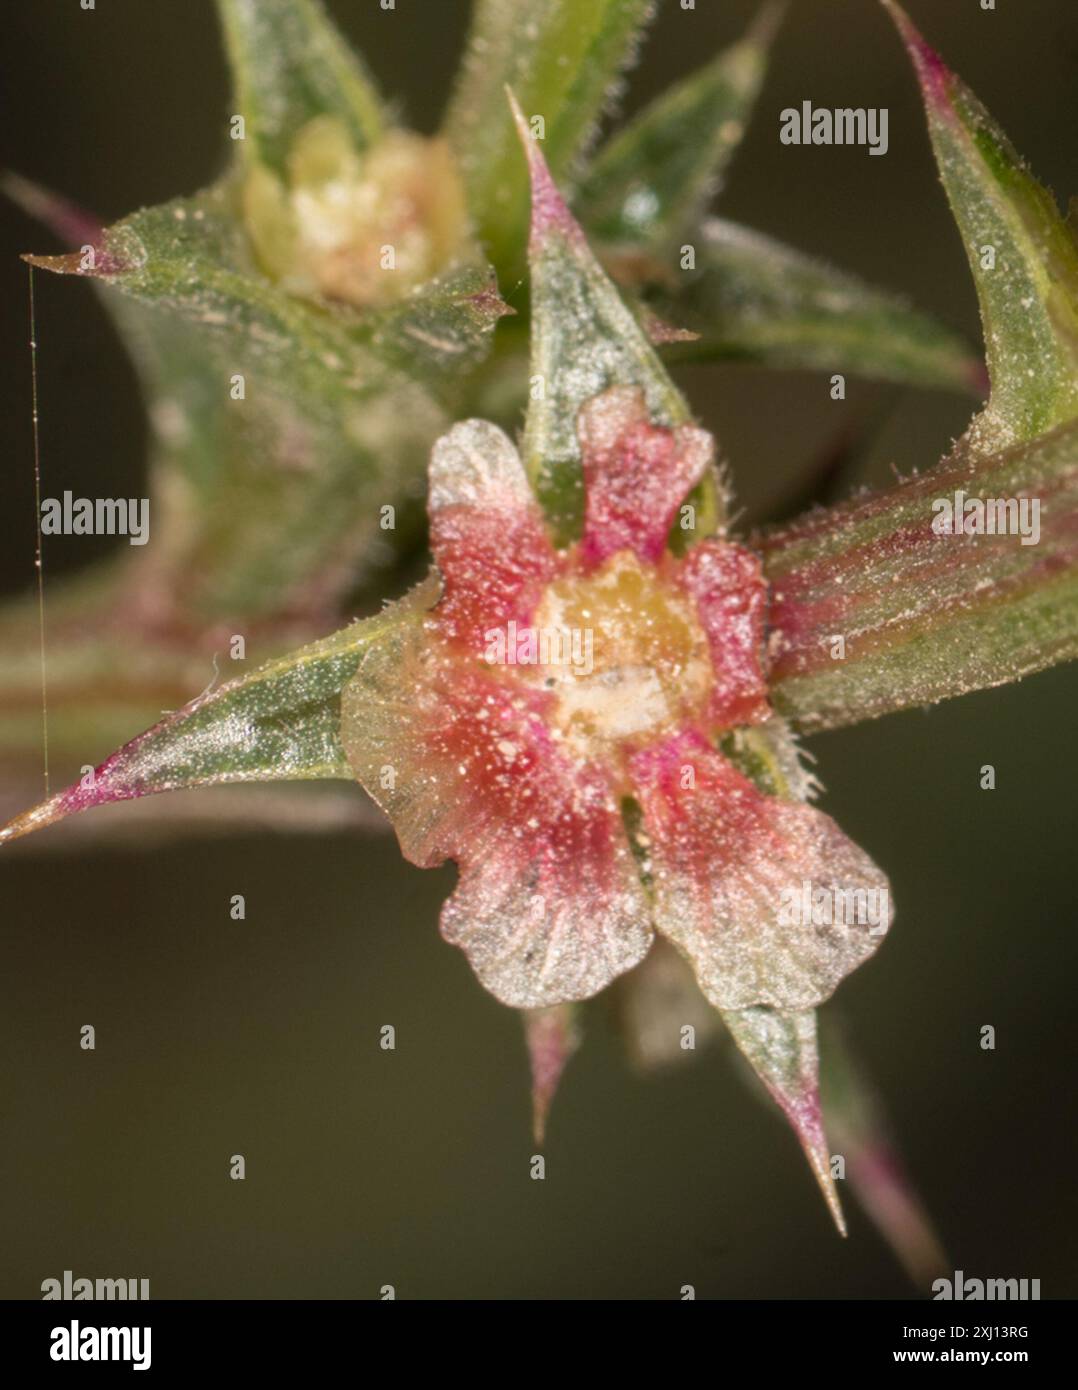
(553, 726)
(358, 229)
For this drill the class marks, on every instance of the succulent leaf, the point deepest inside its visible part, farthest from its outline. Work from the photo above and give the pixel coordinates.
(290, 65)
(1023, 255)
(279, 723)
(584, 339)
(563, 59)
(925, 614)
(647, 185)
(753, 299)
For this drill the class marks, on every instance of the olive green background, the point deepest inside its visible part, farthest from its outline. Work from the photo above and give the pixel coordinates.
(411, 1167)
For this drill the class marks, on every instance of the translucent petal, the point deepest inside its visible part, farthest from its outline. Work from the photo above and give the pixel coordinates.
(769, 900)
(549, 907)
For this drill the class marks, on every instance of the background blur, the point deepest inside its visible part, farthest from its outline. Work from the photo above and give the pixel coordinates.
(411, 1167)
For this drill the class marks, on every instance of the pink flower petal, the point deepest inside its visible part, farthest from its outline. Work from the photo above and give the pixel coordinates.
(487, 532)
(731, 872)
(636, 474)
(731, 602)
(549, 907)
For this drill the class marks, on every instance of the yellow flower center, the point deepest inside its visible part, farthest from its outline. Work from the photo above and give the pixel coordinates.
(624, 654)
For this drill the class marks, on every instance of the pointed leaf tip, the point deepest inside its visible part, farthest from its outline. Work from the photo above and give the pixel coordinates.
(102, 267)
(279, 723)
(781, 1049)
(552, 1036)
(1023, 257)
(768, 21)
(73, 225)
(931, 69)
(37, 818)
(875, 1169)
(548, 208)
(584, 339)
